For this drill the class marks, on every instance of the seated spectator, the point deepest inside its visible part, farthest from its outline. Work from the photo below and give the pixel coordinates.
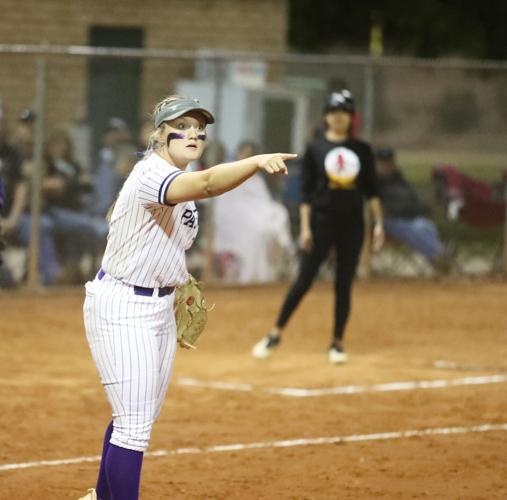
(62, 171)
(126, 158)
(9, 173)
(61, 215)
(145, 132)
(6, 280)
(62, 188)
(213, 155)
(23, 134)
(105, 179)
(14, 221)
(251, 230)
(405, 217)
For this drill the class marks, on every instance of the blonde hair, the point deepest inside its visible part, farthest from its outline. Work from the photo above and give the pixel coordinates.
(154, 140)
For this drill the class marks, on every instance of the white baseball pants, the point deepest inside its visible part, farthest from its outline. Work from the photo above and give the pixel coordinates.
(132, 339)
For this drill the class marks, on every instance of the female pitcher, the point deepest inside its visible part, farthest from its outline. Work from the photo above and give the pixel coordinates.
(128, 310)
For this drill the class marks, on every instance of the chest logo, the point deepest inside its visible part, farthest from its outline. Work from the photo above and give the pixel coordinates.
(189, 217)
(342, 167)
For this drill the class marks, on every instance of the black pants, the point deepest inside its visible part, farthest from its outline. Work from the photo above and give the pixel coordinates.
(345, 234)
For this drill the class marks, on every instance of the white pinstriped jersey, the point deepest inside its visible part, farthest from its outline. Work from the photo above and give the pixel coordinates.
(147, 238)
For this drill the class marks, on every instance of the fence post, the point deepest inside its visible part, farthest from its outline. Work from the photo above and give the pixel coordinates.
(367, 133)
(208, 274)
(218, 84)
(37, 173)
(369, 102)
(505, 230)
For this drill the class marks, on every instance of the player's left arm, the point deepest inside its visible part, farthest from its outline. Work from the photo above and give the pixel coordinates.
(378, 222)
(371, 190)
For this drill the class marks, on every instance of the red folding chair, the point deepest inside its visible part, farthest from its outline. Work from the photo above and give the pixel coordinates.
(480, 205)
(474, 202)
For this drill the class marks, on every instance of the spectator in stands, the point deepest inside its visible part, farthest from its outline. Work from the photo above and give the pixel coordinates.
(251, 230)
(9, 171)
(106, 181)
(16, 163)
(405, 216)
(126, 158)
(145, 131)
(214, 154)
(63, 187)
(23, 135)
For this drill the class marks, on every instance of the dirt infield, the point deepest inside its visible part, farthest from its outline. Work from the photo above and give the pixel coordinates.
(53, 407)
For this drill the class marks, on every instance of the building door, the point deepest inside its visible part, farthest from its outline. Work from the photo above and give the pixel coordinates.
(278, 119)
(114, 84)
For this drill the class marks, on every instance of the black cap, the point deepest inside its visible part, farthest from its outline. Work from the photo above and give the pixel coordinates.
(340, 100)
(385, 153)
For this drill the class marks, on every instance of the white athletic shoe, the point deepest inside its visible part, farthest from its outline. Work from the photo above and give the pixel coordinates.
(337, 355)
(91, 495)
(264, 348)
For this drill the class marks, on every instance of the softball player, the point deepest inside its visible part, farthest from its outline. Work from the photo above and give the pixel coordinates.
(338, 171)
(128, 310)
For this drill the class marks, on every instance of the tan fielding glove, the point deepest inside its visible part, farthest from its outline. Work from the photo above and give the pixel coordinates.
(191, 313)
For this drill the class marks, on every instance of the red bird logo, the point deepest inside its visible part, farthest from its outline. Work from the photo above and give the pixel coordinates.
(340, 162)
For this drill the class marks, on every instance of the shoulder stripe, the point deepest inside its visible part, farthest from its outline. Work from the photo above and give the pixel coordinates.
(165, 186)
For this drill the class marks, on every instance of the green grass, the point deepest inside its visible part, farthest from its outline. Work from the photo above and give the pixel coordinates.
(484, 166)
(417, 165)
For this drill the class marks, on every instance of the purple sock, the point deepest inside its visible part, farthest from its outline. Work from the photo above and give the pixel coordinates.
(123, 469)
(102, 486)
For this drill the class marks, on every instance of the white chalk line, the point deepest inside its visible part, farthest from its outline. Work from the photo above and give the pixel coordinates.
(453, 365)
(222, 386)
(347, 389)
(286, 443)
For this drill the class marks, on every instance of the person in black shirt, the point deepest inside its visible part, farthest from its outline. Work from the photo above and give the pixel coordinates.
(2, 241)
(12, 197)
(10, 173)
(338, 173)
(405, 217)
(64, 187)
(15, 219)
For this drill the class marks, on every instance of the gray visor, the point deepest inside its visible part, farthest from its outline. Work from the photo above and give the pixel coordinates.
(179, 108)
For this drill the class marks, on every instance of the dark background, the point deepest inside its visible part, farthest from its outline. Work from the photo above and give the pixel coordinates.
(422, 28)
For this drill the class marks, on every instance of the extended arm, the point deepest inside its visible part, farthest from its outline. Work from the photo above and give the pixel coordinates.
(224, 177)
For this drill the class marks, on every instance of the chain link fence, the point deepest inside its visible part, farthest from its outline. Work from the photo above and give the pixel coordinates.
(92, 105)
